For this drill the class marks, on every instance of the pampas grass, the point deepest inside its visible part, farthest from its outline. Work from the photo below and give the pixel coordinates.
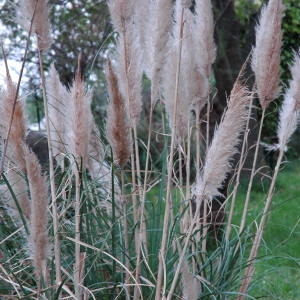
(289, 113)
(224, 144)
(266, 67)
(129, 56)
(118, 127)
(38, 239)
(16, 126)
(157, 26)
(79, 120)
(56, 94)
(288, 121)
(121, 228)
(221, 151)
(203, 42)
(77, 141)
(266, 54)
(15, 165)
(36, 10)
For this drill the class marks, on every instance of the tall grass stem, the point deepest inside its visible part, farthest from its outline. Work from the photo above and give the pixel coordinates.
(168, 206)
(238, 175)
(253, 172)
(55, 217)
(259, 233)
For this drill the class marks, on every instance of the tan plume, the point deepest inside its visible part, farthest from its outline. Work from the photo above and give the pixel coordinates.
(224, 144)
(118, 127)
(41, 25)
(266, 54)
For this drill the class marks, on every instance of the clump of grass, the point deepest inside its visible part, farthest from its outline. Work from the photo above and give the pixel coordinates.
(119, 230)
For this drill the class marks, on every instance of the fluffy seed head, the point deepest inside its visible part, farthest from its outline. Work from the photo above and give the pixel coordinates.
(129, 56)
(41, 25)
(266, 54)
(288, 119)
(203, 42)
(224, 144)
(56, 95)
(290, 110)
(295, 82)
(118, 127)
(15, 151)
(79, 119)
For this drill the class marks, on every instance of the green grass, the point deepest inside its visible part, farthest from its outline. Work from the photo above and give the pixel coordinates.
(278, 270)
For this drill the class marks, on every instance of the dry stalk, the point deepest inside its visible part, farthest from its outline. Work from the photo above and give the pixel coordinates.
(55, 217)
(253, 172)
(258, 236)
(168, 206)
(182, 255)
(266, 66)
(77, 265)
(238, 175)
(243, 153)
(289, 117)
(38, 240)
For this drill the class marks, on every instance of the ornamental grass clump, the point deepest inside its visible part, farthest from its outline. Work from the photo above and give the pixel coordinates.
(117, 214)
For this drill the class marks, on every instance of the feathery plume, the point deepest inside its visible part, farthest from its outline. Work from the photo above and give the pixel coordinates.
(79, 119)
(18, 126)
(295, 82)
(56, 94)
(186, 3)
(266, 54)
(38, 244)
(121, 12)
(160, 26)
(144, 15)
(195, 79)
(224, 143)
(288, 120)
(203, 50)
(183, 103)
(290, 110)
(118, 127)
(41, 25)
(198, 54)
(129, 58)
(203, 29)
(181, 33)
(15, 164)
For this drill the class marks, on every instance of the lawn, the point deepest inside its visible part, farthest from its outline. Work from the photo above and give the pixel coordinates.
(278, 270)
